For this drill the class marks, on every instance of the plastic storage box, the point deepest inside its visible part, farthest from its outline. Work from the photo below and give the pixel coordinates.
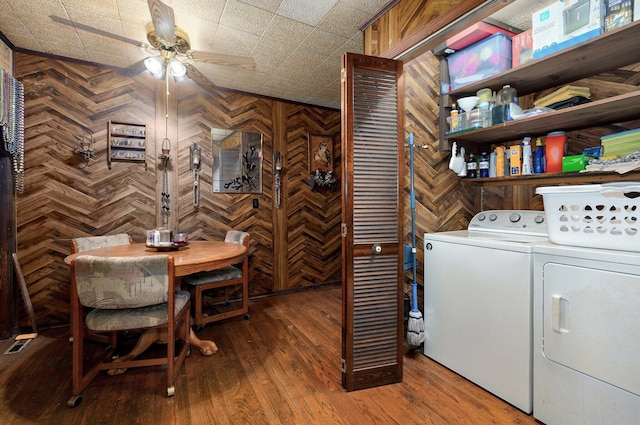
(594, 216)
(480, 60)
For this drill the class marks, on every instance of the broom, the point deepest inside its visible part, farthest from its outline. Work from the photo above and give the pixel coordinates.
(415, 327)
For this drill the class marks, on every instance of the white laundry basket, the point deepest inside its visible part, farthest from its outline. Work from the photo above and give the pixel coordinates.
(594, 215)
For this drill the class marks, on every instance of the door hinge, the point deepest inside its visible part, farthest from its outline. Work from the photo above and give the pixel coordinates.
(344, 366)
(344, 230)
(343, 73)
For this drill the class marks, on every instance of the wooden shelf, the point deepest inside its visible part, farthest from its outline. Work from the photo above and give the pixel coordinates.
(608, 51)
(611, 110)
(555, 178)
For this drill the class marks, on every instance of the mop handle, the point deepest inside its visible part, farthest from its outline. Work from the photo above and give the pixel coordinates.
(413, 204)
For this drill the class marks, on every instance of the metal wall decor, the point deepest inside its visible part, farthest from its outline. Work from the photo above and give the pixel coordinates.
(165, 157)
(86, 147)
(194, 166)
(277, 171)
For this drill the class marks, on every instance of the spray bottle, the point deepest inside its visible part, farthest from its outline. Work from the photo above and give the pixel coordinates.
(527, 163)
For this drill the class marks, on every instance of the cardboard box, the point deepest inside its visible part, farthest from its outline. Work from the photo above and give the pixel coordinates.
(564, 24)
(522, 48)
(573, 163)
(515, 160)
(617, 13)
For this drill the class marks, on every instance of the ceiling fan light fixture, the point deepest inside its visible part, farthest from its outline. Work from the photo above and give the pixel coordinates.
(155, 65)
(177, 68)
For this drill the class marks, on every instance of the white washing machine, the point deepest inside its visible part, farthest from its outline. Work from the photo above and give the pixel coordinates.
(586, 336)
(478, 301)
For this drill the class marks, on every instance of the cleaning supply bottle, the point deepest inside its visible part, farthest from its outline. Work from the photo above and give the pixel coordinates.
(538, 160)
(500, 161)
(483, 165)
(527, 161)
(492, 164)
(455, 118)
(472, 167)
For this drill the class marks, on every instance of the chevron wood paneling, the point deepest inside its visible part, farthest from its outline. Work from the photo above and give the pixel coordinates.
(442, 203)
(314, 216)
(66, 197)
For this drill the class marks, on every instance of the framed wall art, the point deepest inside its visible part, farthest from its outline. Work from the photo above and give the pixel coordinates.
(320, 153)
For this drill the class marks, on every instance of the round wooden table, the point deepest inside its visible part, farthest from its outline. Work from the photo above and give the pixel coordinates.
(198, 256)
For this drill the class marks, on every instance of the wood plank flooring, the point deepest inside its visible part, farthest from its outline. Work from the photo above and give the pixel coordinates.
(282, 366)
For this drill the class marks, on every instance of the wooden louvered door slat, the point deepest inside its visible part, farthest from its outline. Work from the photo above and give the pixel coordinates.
(372, 152)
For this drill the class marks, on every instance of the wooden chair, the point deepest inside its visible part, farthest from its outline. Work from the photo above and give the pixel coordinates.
(92, 242)
(214, 288)
(125, 294)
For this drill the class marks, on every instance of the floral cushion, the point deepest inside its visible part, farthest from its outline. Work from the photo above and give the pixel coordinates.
(121, 282)
(93, 242)
(201, 278)
(134, 318)
(235, 236)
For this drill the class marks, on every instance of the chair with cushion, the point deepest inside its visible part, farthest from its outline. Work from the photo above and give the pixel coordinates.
(126, 294)
(212, 290)
(93, 242)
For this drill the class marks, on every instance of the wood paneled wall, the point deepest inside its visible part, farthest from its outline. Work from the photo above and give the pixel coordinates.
(66, 197)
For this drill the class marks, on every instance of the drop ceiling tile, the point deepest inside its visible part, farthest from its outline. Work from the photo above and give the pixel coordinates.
(233, 42)
(268, 5)
(269, 55)
(245, 18)
(287, 30)
(35, 10)
(309, 12)
(205, 9)
(322, 42)
(343, 20)
(102, 8)
(369, 6)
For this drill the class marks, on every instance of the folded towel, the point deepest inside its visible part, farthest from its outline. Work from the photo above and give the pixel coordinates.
(563, 93)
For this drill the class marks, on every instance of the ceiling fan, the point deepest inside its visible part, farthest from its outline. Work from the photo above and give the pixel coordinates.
(174, 54)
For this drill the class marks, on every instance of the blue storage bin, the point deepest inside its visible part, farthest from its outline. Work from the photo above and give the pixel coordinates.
(480, 60)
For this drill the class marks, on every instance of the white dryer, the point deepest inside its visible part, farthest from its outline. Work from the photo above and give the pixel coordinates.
(586, 336)
(478, 301)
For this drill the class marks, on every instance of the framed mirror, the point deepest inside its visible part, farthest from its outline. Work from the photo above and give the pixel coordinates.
(237, 161)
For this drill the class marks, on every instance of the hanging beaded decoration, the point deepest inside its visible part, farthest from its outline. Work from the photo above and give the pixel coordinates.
(12, 121)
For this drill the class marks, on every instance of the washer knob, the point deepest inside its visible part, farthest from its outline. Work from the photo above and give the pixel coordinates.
(539, 219)
(514, 217)
(481, 217)
(493, 217)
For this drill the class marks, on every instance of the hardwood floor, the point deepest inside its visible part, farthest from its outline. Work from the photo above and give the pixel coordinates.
(282, 366)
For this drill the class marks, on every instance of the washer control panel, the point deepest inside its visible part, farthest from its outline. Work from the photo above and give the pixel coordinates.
(510, 221)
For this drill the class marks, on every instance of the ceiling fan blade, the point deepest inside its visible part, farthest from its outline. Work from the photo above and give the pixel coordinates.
(163, 22)
(221, 59)
(199, 78)
(93, 30)
(134, 69)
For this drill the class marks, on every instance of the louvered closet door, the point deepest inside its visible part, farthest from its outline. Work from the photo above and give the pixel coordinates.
(372, 269)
